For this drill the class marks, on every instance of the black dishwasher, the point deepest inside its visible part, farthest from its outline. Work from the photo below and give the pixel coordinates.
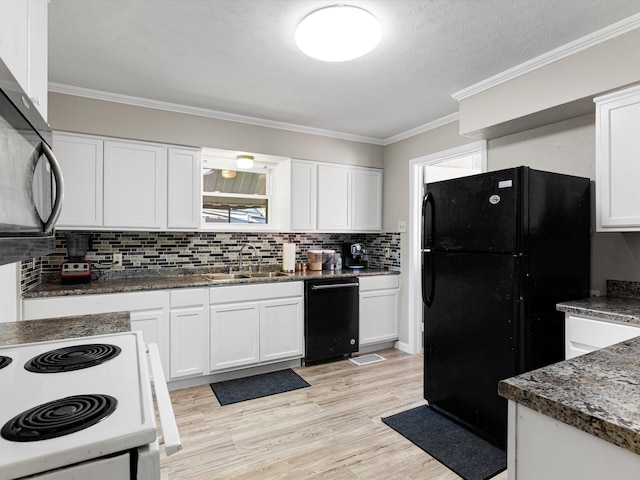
(331, 318)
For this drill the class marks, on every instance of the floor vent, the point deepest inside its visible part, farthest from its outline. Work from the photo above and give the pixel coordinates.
(367, 359)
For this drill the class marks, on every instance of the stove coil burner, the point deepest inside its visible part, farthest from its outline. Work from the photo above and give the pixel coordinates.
(4, 361)
(59, 417)
(72, 358)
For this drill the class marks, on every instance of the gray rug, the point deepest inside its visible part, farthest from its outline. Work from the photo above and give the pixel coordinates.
(459, 450)
(257, 386)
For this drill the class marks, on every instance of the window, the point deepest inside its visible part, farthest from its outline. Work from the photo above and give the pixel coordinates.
(233, 196)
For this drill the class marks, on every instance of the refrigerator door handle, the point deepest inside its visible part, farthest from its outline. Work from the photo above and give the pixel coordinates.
(427, 256)
(427, 200)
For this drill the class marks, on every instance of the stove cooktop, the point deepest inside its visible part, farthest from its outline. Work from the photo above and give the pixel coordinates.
(118, 384)
(5, 361)
(72, 358)
(59, 417)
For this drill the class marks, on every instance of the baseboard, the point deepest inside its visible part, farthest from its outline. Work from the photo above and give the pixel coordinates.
(233, 374)
(404, 347)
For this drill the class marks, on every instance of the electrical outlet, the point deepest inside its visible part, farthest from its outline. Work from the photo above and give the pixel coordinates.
(402, 226)
(116, 260)
(387, 252)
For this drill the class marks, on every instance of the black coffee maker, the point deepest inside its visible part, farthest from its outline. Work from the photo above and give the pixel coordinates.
(354, 255)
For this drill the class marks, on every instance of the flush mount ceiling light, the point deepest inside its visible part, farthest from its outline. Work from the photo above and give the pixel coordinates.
(338, 33)
(229, 173)
(244, 161)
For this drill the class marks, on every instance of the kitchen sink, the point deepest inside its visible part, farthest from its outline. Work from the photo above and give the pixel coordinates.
(225, 276)
(269, 274)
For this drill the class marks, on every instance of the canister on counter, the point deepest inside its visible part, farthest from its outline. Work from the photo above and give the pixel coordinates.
(328, 259)
(314, 259)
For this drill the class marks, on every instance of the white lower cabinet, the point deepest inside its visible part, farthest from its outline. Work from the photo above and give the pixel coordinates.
(540, 447)
(188, 332)
(149, 313)
(281, 329)
(584, 334)
(253, 324)
(379, 309)
(235, 335)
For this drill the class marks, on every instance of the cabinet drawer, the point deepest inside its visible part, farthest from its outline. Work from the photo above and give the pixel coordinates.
(585, 334)
(379, 282)
(249, 293)
(188, 297)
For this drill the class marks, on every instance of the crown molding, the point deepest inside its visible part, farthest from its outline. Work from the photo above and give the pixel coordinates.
(422, 128)
(204, 112)
(607, 33)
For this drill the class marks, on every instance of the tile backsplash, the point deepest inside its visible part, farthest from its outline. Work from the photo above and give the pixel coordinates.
(154, 250)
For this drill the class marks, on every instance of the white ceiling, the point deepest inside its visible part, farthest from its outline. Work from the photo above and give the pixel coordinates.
(238, 57)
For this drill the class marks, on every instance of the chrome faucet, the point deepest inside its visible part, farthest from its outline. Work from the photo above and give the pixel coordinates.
(255, 254)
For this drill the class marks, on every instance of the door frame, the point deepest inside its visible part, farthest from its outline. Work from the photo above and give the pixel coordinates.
(416, 182)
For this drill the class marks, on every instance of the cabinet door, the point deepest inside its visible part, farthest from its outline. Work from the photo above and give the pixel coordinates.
(135, 185)
(187, 341)
(152, 324)
(184, 185)
(281, 329)
(81, 163)
(14, 39)
(617, 162)
(334, 198)
(303, 196)
(23, 46)
(366, 206)
(378, 316)
(189, 332)
(235, 335)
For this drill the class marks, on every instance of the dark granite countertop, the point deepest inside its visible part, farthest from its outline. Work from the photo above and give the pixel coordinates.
(30, 331)
(185, 279)
(617, 309)
(598, 393)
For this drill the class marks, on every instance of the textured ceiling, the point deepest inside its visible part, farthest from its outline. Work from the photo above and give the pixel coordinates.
(239, 56)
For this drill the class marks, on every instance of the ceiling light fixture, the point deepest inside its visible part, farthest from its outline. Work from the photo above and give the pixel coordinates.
(229, 173)
(244, 161)
(338, 33)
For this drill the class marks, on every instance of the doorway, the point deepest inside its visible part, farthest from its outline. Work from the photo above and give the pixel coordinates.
(456, 162)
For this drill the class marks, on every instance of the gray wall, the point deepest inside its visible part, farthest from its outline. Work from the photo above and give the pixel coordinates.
(83, 115)
(565, 147)
(569, 147)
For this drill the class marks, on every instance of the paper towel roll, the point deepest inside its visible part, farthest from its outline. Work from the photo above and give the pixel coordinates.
(288, 257)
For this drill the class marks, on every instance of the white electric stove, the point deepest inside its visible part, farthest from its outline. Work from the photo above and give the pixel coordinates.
(79, 408)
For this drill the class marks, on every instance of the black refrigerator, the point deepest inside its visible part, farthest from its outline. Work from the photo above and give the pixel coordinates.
(499, 250)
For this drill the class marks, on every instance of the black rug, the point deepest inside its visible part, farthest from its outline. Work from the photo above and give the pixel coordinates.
(466, 454)
(263, 385)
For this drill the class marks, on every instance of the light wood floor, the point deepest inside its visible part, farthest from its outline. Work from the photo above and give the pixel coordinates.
(330, 430)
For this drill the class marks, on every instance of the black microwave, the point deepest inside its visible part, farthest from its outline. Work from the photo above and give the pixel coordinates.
(31, 186)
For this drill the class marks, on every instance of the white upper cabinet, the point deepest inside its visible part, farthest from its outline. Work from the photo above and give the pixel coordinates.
(618, 161)
(334, 198)
(124, 185)
(81, 162)
(366, 204)
(328, 197)
(303, 195)
(135, 185)
(23, 46)
(183, 207)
